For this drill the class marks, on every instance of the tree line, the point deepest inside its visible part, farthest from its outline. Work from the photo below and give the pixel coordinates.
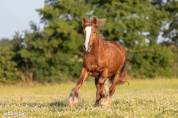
(54, 53)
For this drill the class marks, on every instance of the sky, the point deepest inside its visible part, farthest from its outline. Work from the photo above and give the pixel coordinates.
(15, 15)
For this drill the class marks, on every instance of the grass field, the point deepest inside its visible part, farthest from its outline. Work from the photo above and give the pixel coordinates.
(141, 99)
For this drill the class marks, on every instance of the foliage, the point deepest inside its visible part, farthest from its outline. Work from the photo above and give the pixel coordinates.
(131, 21)
(8, 70)
(172, 31)
(152, 61)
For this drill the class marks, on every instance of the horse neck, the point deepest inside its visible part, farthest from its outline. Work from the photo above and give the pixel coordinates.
(98, 45)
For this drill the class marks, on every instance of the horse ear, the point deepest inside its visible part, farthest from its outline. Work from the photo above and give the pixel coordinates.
(84, 21)
(93, 20)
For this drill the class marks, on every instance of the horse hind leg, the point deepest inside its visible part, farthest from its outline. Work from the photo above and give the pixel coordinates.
(98, 92)
(118, 79)
(112, 88)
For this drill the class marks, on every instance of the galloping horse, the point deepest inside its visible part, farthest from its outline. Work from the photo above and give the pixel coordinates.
(103, 60)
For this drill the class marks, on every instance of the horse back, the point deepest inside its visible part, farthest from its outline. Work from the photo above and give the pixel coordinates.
(119, 46)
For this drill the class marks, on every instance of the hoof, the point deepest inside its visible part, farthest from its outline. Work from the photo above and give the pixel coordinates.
(106, 101)
(72, 100)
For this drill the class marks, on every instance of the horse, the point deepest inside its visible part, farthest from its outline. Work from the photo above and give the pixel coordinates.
(103, 60)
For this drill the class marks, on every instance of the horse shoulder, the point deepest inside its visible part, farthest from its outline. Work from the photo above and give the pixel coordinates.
(101, 57)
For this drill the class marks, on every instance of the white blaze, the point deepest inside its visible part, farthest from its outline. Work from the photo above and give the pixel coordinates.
(87, 36)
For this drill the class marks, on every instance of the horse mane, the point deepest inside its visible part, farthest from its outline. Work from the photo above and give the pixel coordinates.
(101, 36)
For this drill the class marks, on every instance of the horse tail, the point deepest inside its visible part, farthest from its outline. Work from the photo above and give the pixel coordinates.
(123, 73)
(123, 70)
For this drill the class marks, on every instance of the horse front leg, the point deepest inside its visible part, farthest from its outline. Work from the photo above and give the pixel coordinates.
(98, 95)
(73, 97)
(102, 91)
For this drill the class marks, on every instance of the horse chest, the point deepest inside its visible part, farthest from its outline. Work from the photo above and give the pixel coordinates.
(93, 64)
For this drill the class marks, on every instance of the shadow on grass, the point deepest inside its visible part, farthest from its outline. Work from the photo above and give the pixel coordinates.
(33, 105)
(55, 104)
(58, 104)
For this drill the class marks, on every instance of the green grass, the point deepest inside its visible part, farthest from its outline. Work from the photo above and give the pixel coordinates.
(141, 99)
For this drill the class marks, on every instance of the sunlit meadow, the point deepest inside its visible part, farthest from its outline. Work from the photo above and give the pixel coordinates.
(157, 98)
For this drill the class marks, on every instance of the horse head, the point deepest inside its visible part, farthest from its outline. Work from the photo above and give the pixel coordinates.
(90, 31)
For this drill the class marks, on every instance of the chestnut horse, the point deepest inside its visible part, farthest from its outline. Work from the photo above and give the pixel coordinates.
(102, 59)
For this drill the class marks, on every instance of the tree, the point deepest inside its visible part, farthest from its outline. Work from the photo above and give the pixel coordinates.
(58, 47)
(8, 70)
(54, 53)
(172, 31)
